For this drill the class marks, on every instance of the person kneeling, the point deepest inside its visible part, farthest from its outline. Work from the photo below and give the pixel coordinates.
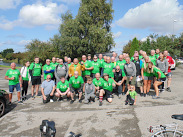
(47, 89)
(131, 96)
(89, 91)
(63, 89)
(107, 86)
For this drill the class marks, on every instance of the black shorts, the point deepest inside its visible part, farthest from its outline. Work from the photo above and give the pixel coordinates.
(162, 79)
(108, 94)
(76, 90)
(36, 80)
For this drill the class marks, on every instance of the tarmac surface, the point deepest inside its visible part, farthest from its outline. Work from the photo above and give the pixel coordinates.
(91, 120)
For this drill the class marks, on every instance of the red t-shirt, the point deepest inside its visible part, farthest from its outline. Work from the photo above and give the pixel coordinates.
(170, 62)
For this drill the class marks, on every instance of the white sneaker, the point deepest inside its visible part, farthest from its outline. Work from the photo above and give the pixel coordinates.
(51, 100)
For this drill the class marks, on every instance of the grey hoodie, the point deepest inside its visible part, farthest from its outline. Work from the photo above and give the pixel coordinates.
(130, 69)
(61, 72)
(162, 65)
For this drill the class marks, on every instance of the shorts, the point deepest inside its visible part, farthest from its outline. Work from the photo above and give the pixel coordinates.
(140, 83)
(36, 80)
(17, 86)
(148, 78)
(76, 90)
(133, 81)
(108, 94)
(169, 75)
(162, 79)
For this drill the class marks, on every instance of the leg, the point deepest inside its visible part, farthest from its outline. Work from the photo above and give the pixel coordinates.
(10, 96)
(18, 95)
(169, 81)
(32, 90)
(156, 84)
(23, 88)
(148, 85)
(26, 87)
(80, 95)
(101, 93)
(123, 91)
(37, 89)
(120, 89)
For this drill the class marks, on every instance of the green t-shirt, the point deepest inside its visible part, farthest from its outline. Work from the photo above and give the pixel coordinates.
(36, 69)
(146, 73)
(87, 65)
(133, 94)
(48, 67)
(108, 84)
(155, 72)
(13, 73)
(120, 64)
(157, 56)
(69, 65)
(101, 62)
(63, 86)
(27, 75)
(132, 58)
(140, 56)
(96, 67)
(108, 68)
(153, 59)
(54, 64)
(98, 82)
(76, 83)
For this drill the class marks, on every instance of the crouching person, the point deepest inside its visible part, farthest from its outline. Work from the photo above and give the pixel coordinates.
(76, 86)
(89, 91)
(107, 88)
(63, 89)
(131, 95)
(47, 89)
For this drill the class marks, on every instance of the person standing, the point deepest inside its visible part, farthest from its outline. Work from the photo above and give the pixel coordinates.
(169, 75)
(157, 53)
(96, 66)
(61, 70)
(48, 69)
(101, 61)
(35, 71)
(108, 67)
(121, 62)
(152, 57)
(76, 66)
(26, 79)
(15, 81)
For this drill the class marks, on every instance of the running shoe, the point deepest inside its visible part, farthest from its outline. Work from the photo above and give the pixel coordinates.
(51, 100)
(168, 89)
(72, 101)
(126, 102)
(80, 101)
(100, 103)
(9, 103)
(155, 97)
(119, 96)
(20, 102)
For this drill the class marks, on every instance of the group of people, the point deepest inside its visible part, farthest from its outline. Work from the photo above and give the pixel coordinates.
(97, 78)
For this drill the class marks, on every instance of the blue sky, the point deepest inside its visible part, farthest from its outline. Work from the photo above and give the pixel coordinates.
(24, 20)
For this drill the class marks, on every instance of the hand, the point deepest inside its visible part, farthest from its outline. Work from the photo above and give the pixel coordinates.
(44, 97)
(165, 73)
(20, 84)
(48, 70)
(51, 94)
(82, 63)
(12, 78)
(143, 77)
(97, 88)
(70, 75)
(42, 76)
(113, 85)
(131, 78)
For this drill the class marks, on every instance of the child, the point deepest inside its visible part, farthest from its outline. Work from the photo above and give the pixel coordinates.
(89, 91)
(131, 96)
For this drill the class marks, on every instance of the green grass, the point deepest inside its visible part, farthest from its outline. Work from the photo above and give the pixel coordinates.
(2, 66)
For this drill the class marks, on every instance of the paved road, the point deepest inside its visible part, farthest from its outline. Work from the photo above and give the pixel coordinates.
(109, 120)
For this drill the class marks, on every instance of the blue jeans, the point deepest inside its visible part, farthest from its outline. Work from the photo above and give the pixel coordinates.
(17, 86)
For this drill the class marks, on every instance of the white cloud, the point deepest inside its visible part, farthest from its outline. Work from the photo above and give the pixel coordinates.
(41, 14)
(156, 15)
(36, 15)
(117, 35)
(70, 1)
(9, 4)
(15, 36)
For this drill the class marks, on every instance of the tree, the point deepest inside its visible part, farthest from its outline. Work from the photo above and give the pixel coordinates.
(90, 31)
(134, 46)
(6, 51)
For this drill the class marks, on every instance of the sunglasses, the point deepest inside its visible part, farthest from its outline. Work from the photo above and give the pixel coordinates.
(117, 69)
(48, 78)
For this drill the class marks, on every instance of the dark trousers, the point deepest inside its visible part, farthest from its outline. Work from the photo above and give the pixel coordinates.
(129, 99)
(48, 97)
(24, 87)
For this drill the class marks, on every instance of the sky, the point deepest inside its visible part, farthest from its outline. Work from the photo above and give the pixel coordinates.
(24, 20)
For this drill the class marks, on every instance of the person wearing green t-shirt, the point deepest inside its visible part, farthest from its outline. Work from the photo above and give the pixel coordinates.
(96, 66)
(48, 69)
(88, 67)
(152, 57)
(97, 81)
(54, 63)
(121, 62)
(157, 53)
(63, 89)
(160, 78)
(109, 67)
(26, 79)
(14, 76)
(35, 71)
(76, 84)
(107, 88)
(101, 61)
(131, 96)
(69, 62)
(146, 76)
(113, 60)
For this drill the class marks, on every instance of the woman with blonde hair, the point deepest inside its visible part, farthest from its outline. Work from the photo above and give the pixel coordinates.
(160, 77)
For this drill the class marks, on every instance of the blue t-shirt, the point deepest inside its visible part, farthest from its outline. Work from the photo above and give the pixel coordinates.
(48, 86)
